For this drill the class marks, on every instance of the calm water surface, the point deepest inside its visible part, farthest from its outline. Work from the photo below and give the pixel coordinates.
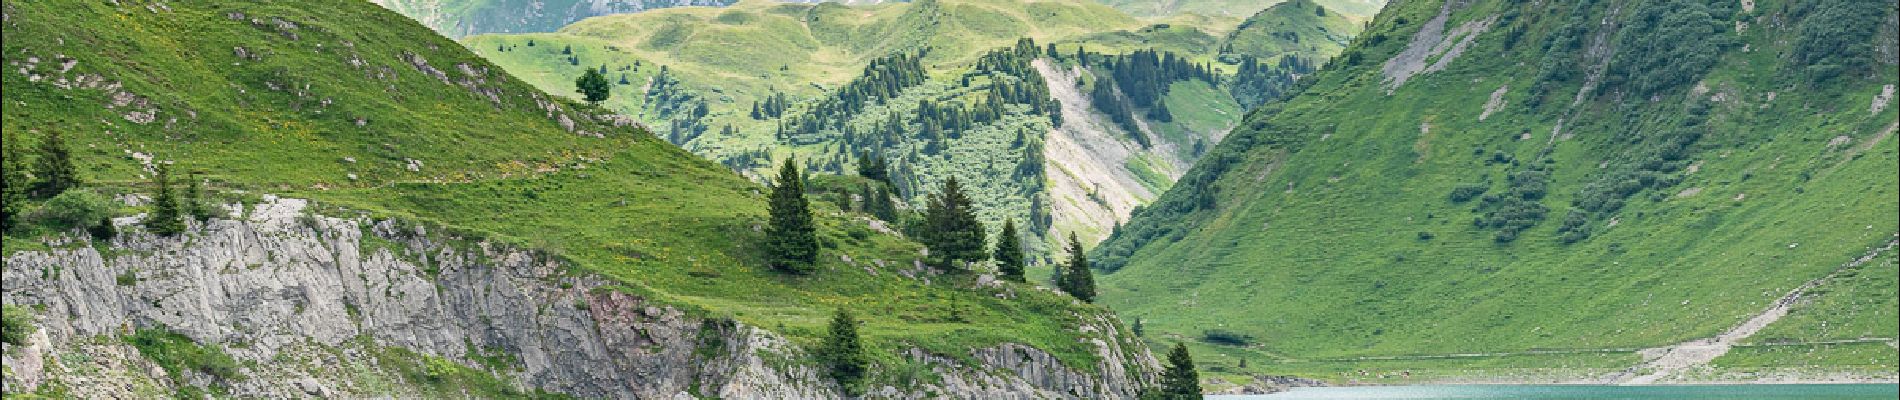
(1848, 391)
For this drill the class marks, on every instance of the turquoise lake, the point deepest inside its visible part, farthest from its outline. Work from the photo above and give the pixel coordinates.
(1843, 391)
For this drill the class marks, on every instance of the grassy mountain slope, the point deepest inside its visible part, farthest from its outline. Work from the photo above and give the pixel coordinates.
(711, 58)
(1501, 177)
(1360, 9)
(1298, 27)
(363, 110)
(458, 18)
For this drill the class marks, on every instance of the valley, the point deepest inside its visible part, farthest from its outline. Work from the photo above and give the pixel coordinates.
(948, 198)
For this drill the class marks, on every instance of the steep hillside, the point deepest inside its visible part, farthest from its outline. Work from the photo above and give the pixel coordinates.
(695, 74)
(1298, 27)
(1552, 184)
(401, 218)
(1359, 9)
(458, 18)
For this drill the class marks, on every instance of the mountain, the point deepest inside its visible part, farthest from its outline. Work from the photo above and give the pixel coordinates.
(1297, 27)
(458, 18)
(1359, 9)
(1525, 191)
(696, 75)
(386, 214)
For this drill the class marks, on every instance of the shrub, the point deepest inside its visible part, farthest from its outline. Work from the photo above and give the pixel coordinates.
(1466, 192)
(176, 353)
(74, 209)
(1226, 337)
(16, 323)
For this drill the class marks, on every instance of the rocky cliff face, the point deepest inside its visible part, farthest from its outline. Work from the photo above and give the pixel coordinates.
(310, 305)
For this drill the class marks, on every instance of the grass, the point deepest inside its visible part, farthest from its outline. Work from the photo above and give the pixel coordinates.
(1319, 254)
(665, 224)
(177, 354)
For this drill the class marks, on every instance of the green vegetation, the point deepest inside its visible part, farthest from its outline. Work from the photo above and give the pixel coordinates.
(364, 112)
(165, 219)
(1663, 206)
(14, 181)
(1077, 278)
(1238, 8)
(457, 18)
(791, 239)
(1009, 253)
(176, 354)
(1857, 303)
(1180, 381)
(844, 354)
(951, 231)
(592, 86)
(16, 324)
(53, 171)
(926, 100)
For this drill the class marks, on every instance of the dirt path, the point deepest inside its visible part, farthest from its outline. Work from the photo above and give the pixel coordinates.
(1664, 362)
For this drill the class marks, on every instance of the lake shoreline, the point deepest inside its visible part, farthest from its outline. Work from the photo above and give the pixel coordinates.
(1266, 384)
(1585, 391)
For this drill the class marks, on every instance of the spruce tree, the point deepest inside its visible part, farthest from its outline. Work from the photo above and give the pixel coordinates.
(952, 231)
(791, 240)
(1076, 278)
(866, 199)
(593, 86)
(53, 171)
(165, 219)
(194, 201)
(103, 230)
(844, 353)
(885, 208)
(1009, 253)
(1180, 381)
(14, 182)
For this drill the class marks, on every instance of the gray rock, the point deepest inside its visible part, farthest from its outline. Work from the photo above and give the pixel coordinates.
(304, 302)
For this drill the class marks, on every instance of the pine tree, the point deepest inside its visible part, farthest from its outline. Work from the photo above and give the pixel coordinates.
(1077, 279)
(194, 202)
(14, 182)
(886, 209)
(1180, 381)
(1009, 253)
(866, 199)
(103, 230)
(593, 86)
(53, 171)
(844, 353)
(792, 240)
(165, 218)
(953, 234)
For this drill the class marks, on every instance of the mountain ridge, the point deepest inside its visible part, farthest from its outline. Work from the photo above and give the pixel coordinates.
(1535, 180)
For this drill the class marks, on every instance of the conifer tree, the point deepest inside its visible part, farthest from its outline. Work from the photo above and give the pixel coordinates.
(865, 200)
(886, 208)
(593, 86)
(1009, 253)
(53, 171)
(103, 230)
(791, 240)
(844, 353)
(952, 231)
(165, 218)
(1077, 279)
(14, 182)
(194, 202)
(1180, 381)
